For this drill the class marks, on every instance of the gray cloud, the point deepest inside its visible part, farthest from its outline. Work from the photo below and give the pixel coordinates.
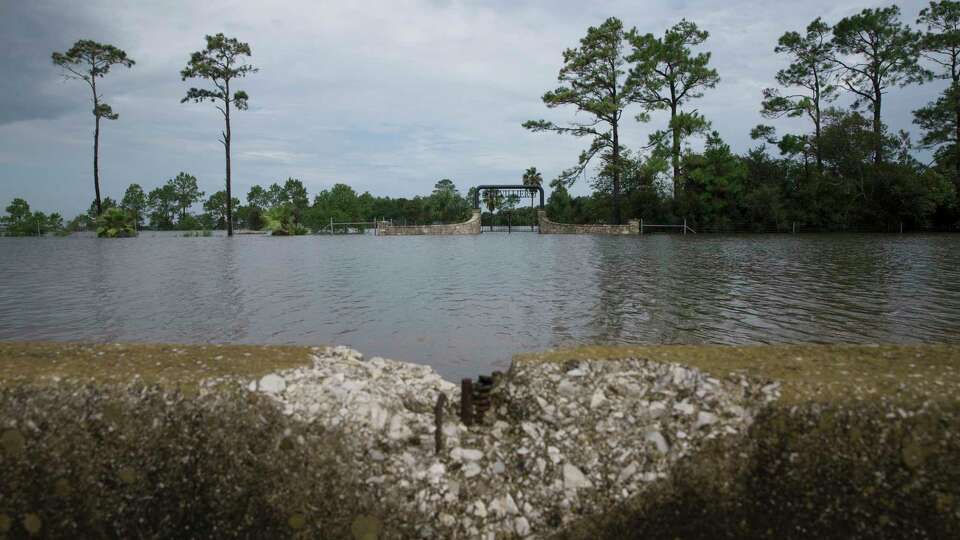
(387, 96)
(27, 87)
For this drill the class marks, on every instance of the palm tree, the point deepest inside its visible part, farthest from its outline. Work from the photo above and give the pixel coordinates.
(532, 178)
(115, 223)
(493, 200)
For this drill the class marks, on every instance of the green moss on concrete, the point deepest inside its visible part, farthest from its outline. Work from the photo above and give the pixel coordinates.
(182, 366)
(819, 373)
(863, 444)
(95, 461)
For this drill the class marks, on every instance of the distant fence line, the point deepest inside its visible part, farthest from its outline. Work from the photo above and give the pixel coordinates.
(359, 227)
(683, 228)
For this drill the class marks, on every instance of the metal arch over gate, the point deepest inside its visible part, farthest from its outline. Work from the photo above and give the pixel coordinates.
(507, 189)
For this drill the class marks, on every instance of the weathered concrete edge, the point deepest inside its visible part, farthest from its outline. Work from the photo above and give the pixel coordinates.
(552, 227)
(471, 226)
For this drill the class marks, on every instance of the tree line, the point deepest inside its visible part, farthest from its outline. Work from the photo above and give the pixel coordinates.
(282, 207)
(846, 170)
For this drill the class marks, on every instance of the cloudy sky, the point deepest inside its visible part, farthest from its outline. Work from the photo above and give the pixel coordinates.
(386, 96)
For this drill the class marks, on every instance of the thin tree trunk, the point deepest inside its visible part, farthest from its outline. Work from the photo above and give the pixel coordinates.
(226, 146)
(616, 174)
(96, 163)
(877, 129)
(96, 142)
(675, 148)
(819, 150)
(817, 121)
(615, 124)
(956, 142)
(817, 118)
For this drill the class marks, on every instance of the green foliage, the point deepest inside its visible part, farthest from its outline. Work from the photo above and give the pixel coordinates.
(292, 196)
(20, 221)
(666, 75)
(191, 223)
(216, 206)
(493, 199)
(715, 184)
(54, 223)
(593, 81)
(168, 206)
(342, 204)
(185, 193)
(220, 62)
(940, 119)
(812, 72)
(18, 216)
(280, 221)
(446, 203)
(106, 204)
(80, 222)
(88, 61)
(116, 223)
(163, 206)
(941, 42)
(876, 52)
(560, 205)
(532, 177)
(824, 179)
(135, 201)
(252, 217)
(339, 203)
(259, 197)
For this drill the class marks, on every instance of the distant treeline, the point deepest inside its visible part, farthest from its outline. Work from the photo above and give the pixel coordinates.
(281, 205)
(845, 170)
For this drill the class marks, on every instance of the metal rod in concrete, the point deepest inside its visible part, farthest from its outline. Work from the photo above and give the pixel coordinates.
(466, 402)
(438, 423)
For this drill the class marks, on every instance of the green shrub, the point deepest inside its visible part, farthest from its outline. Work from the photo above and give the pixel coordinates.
(115, 223)
(280, 221)
(140, 462)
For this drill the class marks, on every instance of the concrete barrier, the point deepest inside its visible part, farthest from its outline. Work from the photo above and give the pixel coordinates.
(552, 227)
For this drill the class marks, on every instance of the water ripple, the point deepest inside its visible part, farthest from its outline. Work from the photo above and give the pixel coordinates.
(466, 304)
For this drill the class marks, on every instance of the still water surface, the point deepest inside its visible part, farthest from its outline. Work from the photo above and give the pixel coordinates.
(466, 304)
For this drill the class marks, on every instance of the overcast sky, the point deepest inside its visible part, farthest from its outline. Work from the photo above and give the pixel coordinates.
(386, 96)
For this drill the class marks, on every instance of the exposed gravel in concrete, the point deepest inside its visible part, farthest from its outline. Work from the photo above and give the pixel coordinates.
(563, 439)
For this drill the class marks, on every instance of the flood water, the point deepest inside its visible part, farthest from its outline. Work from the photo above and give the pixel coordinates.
(465, 305)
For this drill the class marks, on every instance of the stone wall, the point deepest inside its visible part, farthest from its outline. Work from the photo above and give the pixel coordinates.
(551, 227)
(471, 226)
